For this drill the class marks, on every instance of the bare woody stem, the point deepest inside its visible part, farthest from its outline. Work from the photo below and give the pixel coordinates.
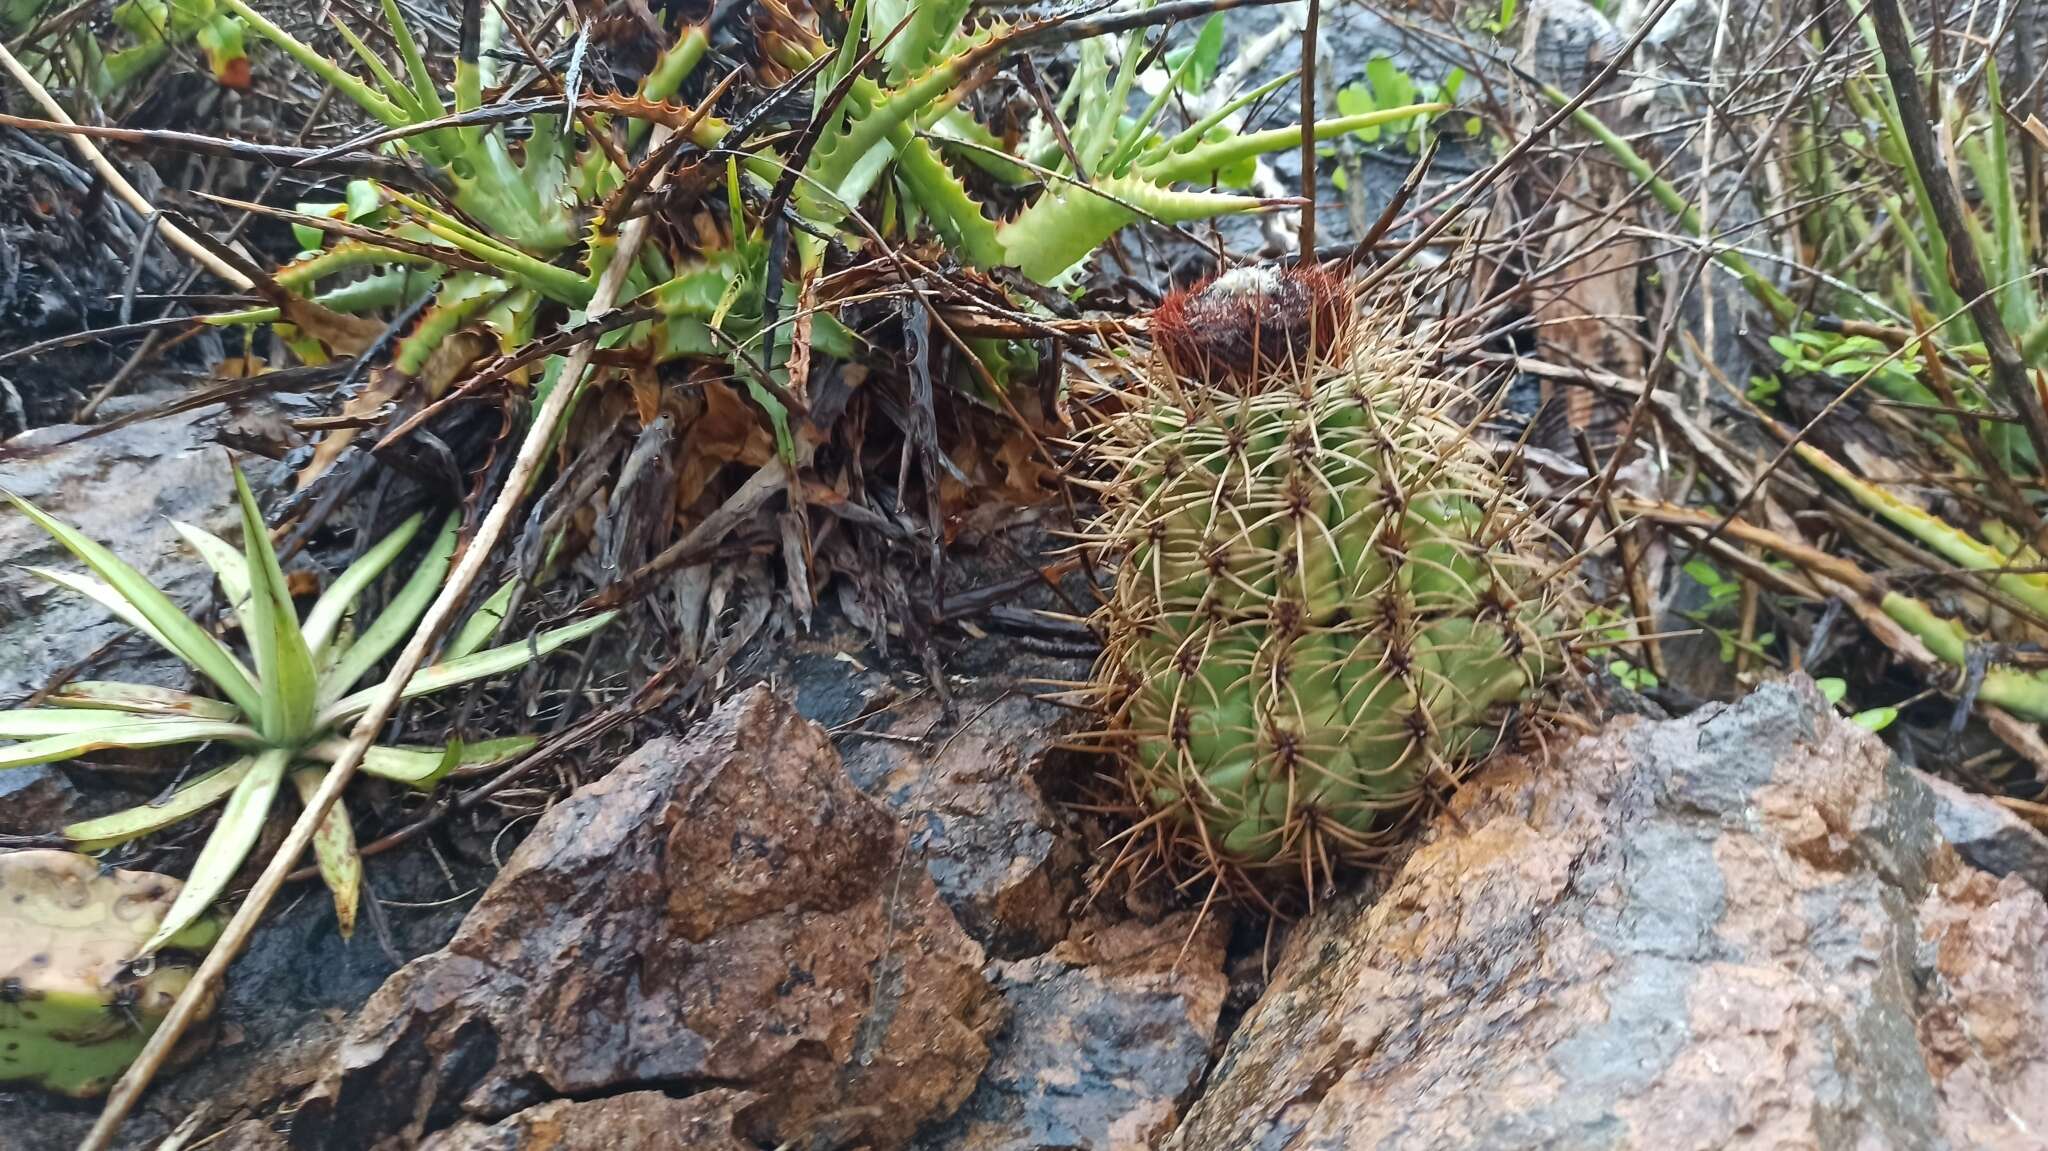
(439, 615)
(2008, 369)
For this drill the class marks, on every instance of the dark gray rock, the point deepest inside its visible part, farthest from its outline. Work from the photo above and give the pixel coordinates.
(1987, 836)
(1738, 929)
(968, 793)
(1108, 1034)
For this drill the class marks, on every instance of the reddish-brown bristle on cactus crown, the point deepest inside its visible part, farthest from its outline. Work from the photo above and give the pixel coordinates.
(1251, 321)
(1328, 599)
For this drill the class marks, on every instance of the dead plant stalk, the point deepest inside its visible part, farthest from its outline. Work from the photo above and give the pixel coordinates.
(453, 593)
(172, 234)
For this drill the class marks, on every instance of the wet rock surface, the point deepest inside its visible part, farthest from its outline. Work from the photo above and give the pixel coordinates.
(969, 793)
(123, 488)
(723, 909)
(1108, 1034)
(1737, 929)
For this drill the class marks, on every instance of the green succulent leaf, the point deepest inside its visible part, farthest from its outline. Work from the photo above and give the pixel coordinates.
(398, 620)
(140, 699)
(229, 567)
(133, 823)
(423, 767)
(151, 610)
(283, 664)
(114, 730)
(482, 623)
(481, 665)
(342, 594)
(241, 822)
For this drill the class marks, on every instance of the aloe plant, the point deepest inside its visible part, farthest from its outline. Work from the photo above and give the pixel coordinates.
(285, 709)
(526, 232)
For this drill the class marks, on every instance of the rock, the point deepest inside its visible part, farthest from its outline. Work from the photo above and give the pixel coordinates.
(707, 1121)
(34, 800)
(724, 910)
(1108, 1035)
(1987, 836)
(969, 793)
(1738, 929)
(123, 489)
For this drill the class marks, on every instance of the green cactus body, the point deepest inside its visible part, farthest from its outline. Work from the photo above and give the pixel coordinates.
(74, 1011)
(1328, 598)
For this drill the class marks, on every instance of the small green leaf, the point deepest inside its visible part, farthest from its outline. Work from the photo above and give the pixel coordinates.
(400, 615)
(1833, 688)
(1876, 718)
(241, 822)
(184, 803)
(283, 665)
(423, 767)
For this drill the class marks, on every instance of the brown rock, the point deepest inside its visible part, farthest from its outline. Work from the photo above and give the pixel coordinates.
(1108, 1035)
(642, 1120)
(1738, 929)
(969, 793)
(723, 909)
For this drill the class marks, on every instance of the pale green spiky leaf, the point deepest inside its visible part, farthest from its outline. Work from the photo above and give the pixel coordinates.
(342, 594)
(482, 665)
(133, 823)
(241, 822)
(400, 615)
(228, 567)
(423, 767)
(283, 665)
(482, 623)
(165, 622)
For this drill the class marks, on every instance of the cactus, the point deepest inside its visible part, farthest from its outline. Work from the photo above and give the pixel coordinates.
(1329, 594)
(75, 1008)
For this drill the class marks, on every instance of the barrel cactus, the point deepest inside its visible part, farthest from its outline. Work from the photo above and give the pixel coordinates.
(76, 1005)
(1329, 596)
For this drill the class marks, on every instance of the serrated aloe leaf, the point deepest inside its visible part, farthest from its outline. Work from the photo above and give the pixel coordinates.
(342, 594)
(123, 731)
(334, 851)
(166, 623)
(285, 667)
(482, 623)
(184, 803)
(228, 567)
(398, 619)
(423, 767)
(240, 824)
(1199, 130)
(482, 665)
(1069, 221)
(1197, 162)
(141, 699)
